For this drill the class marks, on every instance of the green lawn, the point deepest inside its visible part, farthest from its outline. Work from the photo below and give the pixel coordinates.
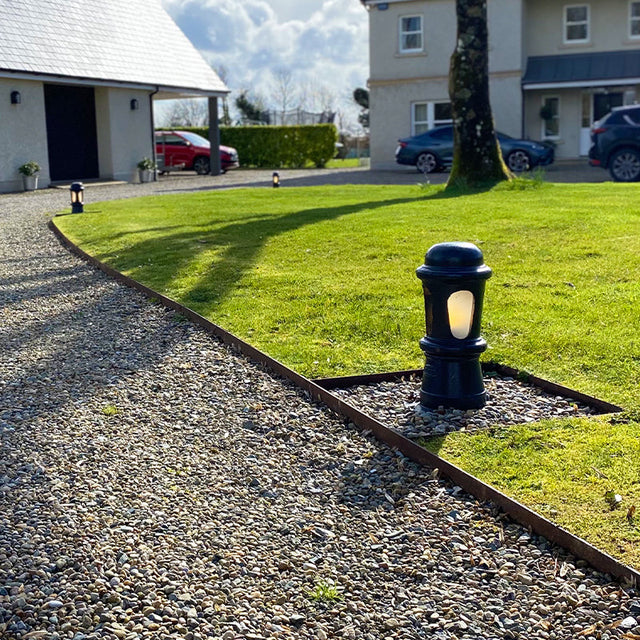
(323, 278)
(347, 163)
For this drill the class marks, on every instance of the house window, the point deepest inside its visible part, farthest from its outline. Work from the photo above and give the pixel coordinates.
(410, 34)
(551, 120)
(634, 19)
(420, 118)
(426, 115)
(441, 113)
(576, 23)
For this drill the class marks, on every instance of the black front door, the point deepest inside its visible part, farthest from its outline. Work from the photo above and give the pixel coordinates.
(604, 102)
(71, 132)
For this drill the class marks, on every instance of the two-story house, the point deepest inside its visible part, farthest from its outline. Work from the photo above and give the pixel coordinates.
(555, 68)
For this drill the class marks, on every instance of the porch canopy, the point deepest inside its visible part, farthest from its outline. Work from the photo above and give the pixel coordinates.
(608, 68)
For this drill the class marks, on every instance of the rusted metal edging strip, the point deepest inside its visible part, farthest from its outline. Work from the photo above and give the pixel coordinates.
(343, 382)
(483, 492)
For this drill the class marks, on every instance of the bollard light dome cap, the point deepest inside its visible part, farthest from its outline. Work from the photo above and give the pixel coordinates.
(456, 259)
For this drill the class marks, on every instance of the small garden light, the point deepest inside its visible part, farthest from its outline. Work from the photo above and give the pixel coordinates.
(276, 179)
(77, 197)
(453, 279)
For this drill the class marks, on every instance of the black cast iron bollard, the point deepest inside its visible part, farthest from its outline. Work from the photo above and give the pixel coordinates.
(77, 197)
(453, 279)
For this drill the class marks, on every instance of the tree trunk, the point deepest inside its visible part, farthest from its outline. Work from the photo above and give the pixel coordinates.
(477, 160)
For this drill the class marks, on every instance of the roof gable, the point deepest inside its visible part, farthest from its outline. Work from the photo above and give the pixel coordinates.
(121, 41)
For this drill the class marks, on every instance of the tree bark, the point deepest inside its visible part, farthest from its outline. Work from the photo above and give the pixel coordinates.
(477, 160)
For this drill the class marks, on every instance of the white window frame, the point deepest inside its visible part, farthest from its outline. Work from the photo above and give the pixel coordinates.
(543, 130)
(566, 24)
(633, 19)
(431, 116)
(402, 33)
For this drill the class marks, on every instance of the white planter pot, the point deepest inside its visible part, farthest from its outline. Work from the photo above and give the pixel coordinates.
(30, 182)
(146, 175)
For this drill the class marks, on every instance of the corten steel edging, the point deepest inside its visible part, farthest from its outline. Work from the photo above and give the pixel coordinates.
(342, 382)
(483, 492)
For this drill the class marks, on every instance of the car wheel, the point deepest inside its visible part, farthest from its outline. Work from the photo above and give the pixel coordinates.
(426, 163)
(624, 165)
(201, 165)
(519, 161)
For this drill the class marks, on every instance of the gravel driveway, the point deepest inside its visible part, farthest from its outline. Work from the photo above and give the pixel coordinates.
(155, 485)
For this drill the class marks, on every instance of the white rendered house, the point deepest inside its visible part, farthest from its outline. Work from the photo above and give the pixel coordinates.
(77, 83)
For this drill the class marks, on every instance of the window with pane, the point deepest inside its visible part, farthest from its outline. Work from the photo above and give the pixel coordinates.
(632, 116)
(634, 19)
(420, 118)
(441, 113)
(551, 124)
(427, 115)
(171, 138)
(576, 23)
(410, 34)
(586, 110)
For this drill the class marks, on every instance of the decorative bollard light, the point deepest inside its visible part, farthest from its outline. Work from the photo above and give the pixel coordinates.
(453, 279)
(77, 197)
(276, 179)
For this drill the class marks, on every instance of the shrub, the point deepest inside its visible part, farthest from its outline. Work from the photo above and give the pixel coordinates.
(29, 168)
(147, 164)
(278, 146)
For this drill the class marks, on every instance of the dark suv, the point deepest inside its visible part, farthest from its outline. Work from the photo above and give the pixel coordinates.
(615, 143)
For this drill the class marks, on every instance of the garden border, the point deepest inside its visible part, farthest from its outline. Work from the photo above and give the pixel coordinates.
(601, 406)
(600, 560)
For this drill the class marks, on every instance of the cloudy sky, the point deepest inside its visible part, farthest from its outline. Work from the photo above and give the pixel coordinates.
(323, 44)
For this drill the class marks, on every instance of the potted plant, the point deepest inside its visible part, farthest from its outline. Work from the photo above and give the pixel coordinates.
(546, 112)
(146, 167)
(30, 171)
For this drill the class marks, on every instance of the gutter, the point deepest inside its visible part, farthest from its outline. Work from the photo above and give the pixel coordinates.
(579, 84)
(106, 82)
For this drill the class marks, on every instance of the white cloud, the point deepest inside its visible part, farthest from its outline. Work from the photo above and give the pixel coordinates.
(325, 46)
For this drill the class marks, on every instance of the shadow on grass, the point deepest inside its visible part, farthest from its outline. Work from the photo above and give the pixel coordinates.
(157, 261)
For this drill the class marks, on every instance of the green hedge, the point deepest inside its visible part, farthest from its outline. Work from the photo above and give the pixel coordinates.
(278, 146)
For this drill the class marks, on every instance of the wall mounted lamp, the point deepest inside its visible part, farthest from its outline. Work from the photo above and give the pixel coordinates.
(16, 98)
(134, 104)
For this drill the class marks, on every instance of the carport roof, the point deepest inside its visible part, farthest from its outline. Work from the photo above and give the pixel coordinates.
(582, 69)
(120, 42)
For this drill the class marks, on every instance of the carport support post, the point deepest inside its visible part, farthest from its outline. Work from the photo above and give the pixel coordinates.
(214, 138)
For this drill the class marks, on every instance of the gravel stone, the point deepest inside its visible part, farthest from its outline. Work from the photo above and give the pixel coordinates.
(145, 523)
(509, 402)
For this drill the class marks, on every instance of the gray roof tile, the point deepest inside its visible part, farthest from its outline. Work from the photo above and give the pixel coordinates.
(130, 41)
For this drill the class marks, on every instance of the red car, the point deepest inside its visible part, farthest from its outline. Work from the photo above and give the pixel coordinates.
(176, 148)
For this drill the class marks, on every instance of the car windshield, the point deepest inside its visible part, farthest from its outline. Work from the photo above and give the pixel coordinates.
(194, 138)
